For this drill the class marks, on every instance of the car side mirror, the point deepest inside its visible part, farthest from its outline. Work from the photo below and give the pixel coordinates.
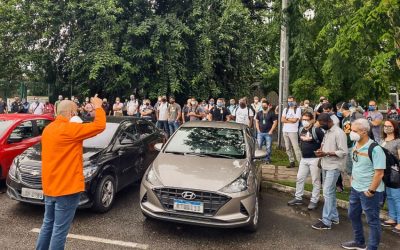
(258, 154)
(14, 139)
(158, 146)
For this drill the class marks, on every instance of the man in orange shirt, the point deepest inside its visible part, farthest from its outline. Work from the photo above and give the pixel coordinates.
(62, 170)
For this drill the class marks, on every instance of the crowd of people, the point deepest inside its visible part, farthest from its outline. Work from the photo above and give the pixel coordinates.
(326, 140)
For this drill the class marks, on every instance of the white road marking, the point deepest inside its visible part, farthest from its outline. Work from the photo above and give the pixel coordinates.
(101, 240)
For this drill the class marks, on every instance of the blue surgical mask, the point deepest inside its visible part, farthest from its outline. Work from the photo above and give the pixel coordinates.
(211, 103)
(219, 104)
(339, 114)
(291, 104)
(371, 108)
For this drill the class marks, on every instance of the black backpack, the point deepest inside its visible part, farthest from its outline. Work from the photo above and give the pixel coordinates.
(391, 176)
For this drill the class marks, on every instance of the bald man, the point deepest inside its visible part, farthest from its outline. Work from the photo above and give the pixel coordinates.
(62, 170)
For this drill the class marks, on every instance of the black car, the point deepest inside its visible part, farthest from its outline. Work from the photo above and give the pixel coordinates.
(113, 159)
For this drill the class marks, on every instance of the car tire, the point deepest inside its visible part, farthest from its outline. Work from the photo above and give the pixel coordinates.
(253, 226)
(105, 194)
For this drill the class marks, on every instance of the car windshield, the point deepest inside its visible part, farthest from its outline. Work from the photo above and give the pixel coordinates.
(103, 139)
(213, 142)
(4, 126)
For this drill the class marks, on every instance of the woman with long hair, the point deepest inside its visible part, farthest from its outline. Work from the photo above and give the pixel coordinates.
(391, 142)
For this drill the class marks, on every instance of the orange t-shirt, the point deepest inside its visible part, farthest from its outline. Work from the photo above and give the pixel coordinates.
(62, 154)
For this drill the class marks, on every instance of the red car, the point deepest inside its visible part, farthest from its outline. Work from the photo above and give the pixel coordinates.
(17, 133)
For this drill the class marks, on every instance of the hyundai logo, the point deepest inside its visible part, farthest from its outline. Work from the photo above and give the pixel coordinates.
(188, 195)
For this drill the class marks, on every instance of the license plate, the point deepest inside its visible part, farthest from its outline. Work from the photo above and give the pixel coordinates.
(189, 206)
(32, 193)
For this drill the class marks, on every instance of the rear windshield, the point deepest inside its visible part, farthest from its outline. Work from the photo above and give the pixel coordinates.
(103, 139)
(4, 126)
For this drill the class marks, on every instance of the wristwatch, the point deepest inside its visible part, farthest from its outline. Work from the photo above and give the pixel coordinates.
(371, 191)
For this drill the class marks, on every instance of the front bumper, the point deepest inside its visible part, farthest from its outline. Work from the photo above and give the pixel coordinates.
(229, 215)
(14, 192)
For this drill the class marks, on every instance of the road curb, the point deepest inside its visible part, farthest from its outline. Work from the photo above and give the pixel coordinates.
(291, 190)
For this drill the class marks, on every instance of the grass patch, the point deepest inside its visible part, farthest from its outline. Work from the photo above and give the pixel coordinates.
(279, 157)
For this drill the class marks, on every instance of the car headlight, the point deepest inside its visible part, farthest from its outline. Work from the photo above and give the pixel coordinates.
(238, 185)
(89, 170)
(12, 172)
(152, 178)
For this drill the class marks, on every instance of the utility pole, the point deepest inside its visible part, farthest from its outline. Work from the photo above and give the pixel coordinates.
(283, 67)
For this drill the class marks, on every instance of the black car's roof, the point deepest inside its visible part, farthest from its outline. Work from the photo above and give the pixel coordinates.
(115, 119)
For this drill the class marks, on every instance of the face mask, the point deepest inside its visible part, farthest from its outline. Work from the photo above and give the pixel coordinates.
(265, 108)
(325, 127)
(219, 104)
(211, 103)
(193, 103)
(371, 108)
(354, 136)
(306, 105)
(255, 101)
(291, 104)
(305, 124)
(76, 119)
(242, 105)
(339, 114)
(388, 130)
(232, 103)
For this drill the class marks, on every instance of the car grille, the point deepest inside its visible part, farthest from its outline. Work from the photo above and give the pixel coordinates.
(31, 175)
(212, 201)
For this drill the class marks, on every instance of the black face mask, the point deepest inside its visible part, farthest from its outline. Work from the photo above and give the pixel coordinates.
(242, 105)
(325, 127)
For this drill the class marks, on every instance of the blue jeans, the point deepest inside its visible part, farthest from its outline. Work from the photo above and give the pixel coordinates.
(393, 201)
(330, 212)
(58, 216)
(173, 126)
(358, 203)
(163, 125)
(267, 138)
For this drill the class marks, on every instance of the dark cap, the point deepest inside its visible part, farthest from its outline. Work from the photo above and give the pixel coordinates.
(324, 117)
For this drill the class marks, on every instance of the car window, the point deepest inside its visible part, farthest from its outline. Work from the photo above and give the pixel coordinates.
(4, 126)
(210, 141)
(41, 124)
(144, 129)
(129, 134)
(24, 130)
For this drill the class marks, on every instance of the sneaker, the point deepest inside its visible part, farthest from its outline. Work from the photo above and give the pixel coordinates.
(295, 202)
(312, 206)
(292, 165)
(353, 245)
(336, 222)
(388, 224)
(320, 226)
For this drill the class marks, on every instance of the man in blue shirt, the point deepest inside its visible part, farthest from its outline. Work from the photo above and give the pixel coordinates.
(366, 187)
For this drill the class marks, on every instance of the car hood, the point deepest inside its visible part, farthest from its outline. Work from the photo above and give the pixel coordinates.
(32, 156)
(195, 172)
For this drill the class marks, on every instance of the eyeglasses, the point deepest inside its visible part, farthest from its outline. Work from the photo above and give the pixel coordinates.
(355, 155)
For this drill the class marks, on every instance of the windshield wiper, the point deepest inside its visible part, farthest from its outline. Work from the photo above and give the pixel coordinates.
(210, 155)
(174, 152)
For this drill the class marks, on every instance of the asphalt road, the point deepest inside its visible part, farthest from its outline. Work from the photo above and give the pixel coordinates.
(281, 227)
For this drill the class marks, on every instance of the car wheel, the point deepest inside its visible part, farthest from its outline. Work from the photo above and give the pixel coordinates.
(105, 194)
(254, 219)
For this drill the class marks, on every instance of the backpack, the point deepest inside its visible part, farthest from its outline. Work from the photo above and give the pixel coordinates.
(391, 176)
(313, 132)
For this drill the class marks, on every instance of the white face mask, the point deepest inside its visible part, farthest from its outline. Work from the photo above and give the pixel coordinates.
(76, 119)
(354, 136)
(306, 124)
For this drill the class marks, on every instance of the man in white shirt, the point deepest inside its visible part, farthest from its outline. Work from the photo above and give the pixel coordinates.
(290, 119)
(36, 108)
(132, 106)
(243, 114)
(162, 115)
